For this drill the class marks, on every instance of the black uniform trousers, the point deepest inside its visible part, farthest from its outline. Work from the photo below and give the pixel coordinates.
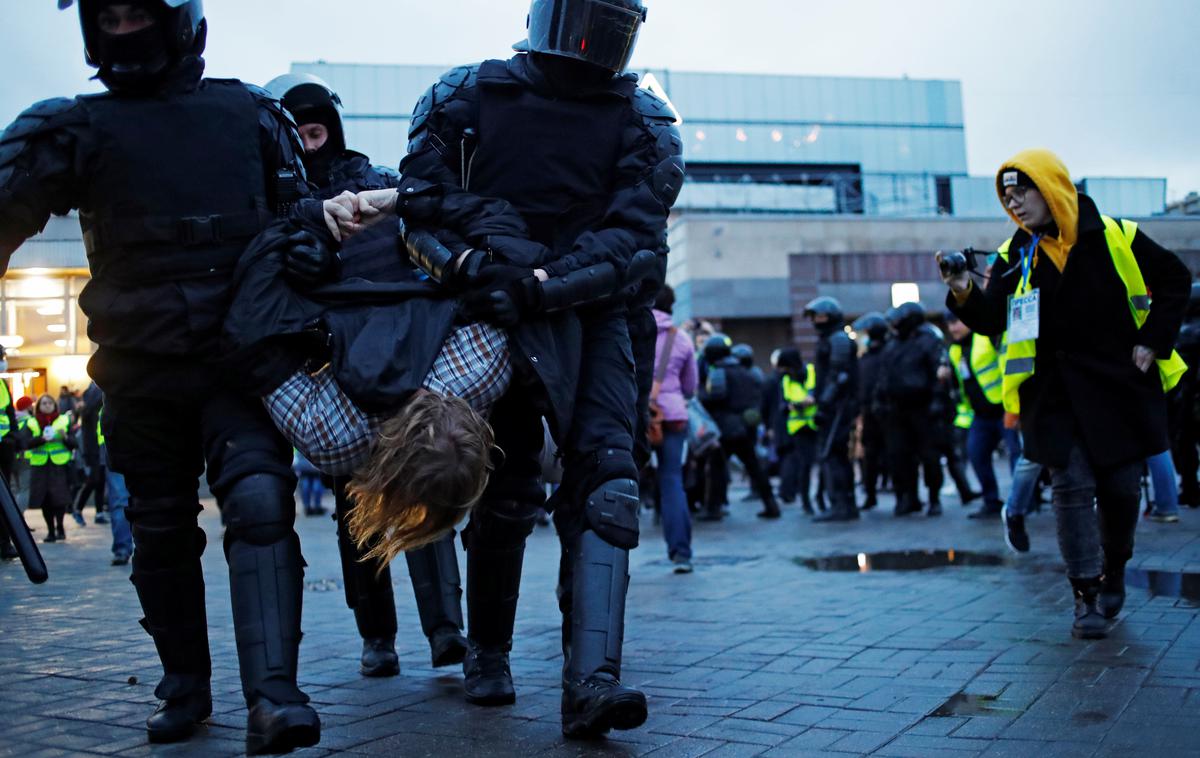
(833, 451)
(162, 445)
(912, 440)
(874, 461)
(798, 456)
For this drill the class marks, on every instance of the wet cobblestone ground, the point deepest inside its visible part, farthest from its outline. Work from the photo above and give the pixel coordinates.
(753, 654)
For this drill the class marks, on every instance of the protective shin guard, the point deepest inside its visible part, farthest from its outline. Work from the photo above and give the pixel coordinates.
(266, 588)
(594, 700)
(170, 586)
(493, 586)
(437, 587)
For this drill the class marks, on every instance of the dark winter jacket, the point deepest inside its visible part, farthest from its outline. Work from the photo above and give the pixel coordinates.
(1085, 386)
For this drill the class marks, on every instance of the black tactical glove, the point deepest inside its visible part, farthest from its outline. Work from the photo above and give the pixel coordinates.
(308, 260)
(502, 295)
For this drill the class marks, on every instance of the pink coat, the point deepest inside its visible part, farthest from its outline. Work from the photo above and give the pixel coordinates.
(679, 382)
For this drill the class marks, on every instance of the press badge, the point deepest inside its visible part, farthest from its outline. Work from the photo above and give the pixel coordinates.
(1023, 315)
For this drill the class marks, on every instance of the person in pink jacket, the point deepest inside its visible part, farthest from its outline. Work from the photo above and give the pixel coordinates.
(675, 382)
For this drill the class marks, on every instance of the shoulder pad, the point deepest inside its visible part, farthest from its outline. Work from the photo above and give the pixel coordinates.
(450, 84)
(650, 106)
(44, 116)
(258, 92)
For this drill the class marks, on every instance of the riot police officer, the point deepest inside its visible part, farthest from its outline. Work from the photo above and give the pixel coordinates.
(1185, 415)
(173, 174)
(733, 395)
(333, 169)
(906, 391)
(837, 398)
(870, 364)
(593, 163)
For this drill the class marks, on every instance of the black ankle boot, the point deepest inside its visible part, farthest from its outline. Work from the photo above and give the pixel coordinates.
(487, 678)
(1111, 599)
(176, 719)
(379, 657)
(447, 647)
(1089, 623)
(599, 703)
(273, 728)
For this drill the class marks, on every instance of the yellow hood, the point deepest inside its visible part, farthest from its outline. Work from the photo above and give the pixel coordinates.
(1054, 182)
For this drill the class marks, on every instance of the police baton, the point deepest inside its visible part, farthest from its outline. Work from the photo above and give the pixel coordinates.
(22, 538)
(833, 428)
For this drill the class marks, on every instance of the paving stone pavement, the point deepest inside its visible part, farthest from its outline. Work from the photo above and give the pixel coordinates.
(752, 654)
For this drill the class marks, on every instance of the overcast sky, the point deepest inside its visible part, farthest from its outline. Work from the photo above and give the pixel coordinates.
(1110, 85)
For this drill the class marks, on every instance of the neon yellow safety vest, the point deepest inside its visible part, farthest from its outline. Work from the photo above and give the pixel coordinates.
(795, 393)
(5, 401)
(1021, 356)
(964, 415)
(22, 425)
(986, 363)
(99, 429)
(55, 451)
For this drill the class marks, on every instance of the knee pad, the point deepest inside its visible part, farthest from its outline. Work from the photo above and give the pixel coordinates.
(259, 509)
(611, 511)
(165, 529)
(500, 524)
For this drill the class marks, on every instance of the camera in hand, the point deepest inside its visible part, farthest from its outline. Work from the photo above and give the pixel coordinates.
(957, 261)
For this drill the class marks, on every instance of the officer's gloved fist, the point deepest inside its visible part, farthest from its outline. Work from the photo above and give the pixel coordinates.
(503, 295)
(308, 260)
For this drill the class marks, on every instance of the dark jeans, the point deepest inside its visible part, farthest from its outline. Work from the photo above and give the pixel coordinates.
(984, 437)
(1097, 512)
(676, 520)
(743, 448)
(796, 464)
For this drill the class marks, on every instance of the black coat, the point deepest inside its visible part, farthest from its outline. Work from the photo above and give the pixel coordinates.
(907, 378)
(1085, 385)
(733, 395)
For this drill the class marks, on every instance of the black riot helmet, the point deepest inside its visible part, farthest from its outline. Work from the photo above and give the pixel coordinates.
(602, 33)
(826, 306)
(717, 348)
(311, 100)
(139, 58)
(744, 353)
(874, 325)
(906, 318)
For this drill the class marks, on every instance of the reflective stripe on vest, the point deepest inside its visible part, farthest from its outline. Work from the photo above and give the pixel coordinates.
(794, 393)
(1021, 356)
(54, 451)
(5, 401)
(964, 414)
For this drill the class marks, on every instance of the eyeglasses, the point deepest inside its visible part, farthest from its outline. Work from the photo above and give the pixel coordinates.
(1015, 194)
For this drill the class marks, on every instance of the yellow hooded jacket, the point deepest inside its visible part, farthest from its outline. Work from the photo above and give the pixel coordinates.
(1054, 183)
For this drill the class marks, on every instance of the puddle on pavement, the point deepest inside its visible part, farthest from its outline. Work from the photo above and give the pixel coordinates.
(1185, 587)
(962, 704)
(907, 560)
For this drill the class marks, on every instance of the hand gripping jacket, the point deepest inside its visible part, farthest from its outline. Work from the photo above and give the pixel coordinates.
(451, 141)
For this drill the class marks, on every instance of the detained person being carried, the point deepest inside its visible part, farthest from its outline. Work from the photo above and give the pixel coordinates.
(387, 380)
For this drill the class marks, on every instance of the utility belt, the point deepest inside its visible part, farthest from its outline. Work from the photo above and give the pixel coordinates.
(176, 247)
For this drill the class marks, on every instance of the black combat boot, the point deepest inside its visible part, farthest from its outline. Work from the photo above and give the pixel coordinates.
(1089, 623)
(379, 657)
(266, 589)
(593, 580)
(175, 719)
(493, 586)
(770, 506)
(438, 590)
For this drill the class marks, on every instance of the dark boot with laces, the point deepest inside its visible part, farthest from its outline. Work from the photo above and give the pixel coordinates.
(487, 678)
(1090, 624)
(379, 657)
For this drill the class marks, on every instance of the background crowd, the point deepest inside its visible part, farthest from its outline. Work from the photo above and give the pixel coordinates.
(927, 405)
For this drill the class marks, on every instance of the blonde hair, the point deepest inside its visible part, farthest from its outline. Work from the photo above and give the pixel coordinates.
(428, 468)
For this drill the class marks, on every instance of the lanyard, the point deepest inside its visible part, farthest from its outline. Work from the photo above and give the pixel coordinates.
(1027, 254)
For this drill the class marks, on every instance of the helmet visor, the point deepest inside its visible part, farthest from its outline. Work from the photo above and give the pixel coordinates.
(593, 31)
